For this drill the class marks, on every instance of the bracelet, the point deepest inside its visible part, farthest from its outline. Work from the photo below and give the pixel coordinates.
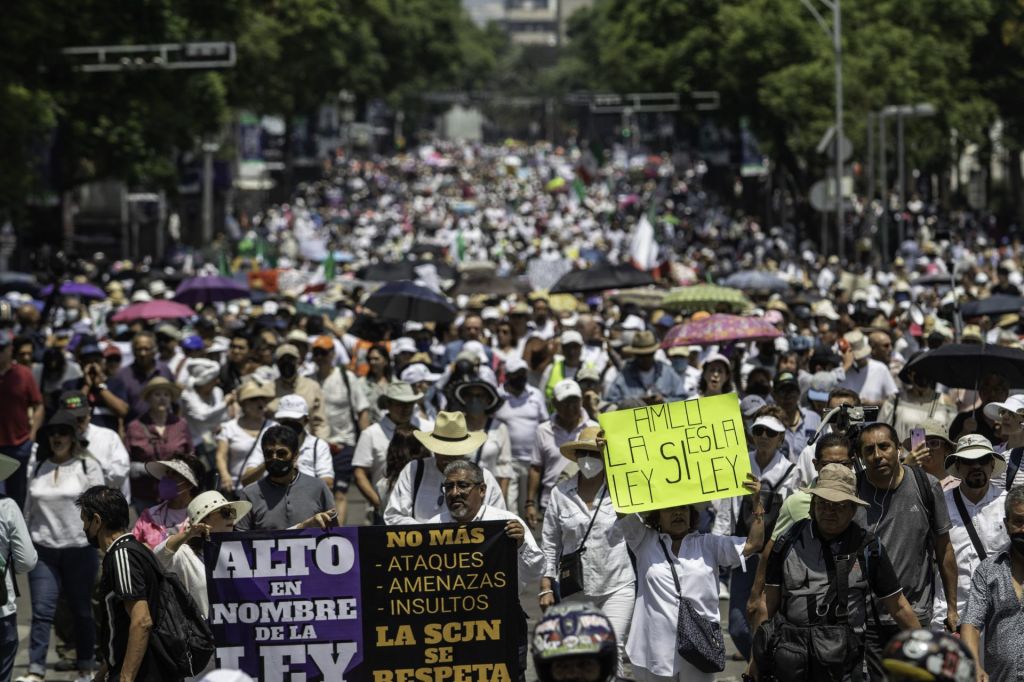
(529, 503)
(543, 592)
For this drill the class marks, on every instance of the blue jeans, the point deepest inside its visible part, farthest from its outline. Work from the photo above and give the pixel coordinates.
(72, 569)
(15, 486)
(8, 645)
(739, 593)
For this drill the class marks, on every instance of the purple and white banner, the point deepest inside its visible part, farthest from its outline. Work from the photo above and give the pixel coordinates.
(434, 603)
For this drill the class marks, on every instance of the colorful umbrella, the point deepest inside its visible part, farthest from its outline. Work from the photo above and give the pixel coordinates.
(720, 328)
(153, 310)
(83, 289)
(706, 297)
(405, 301)
(209, 290)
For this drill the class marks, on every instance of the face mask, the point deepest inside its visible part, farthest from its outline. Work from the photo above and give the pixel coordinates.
(517, 384)
(476, 406)
(680, 365)
(1017, 542)
(278, 467)
(287, 369)
(590, 466)
(167, 488)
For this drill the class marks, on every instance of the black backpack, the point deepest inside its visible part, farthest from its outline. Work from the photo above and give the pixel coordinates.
(181, 639)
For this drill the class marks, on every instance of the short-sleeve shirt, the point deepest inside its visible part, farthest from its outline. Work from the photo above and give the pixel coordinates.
(276, 507)
(18, 391)
(993, 608)
(901, 520)
(127, 576)
(343, 400)
(873, 382)
(314, 458)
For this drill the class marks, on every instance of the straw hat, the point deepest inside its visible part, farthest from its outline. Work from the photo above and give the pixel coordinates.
(836, 483)
(402, 392)
(644, 343)
(161, 382)
(858, 344)
(587, 440)
(206, 503)
(255, 389)
(450, 436)
(159, 469)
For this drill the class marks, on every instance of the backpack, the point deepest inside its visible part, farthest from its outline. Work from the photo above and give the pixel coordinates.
(181, 640)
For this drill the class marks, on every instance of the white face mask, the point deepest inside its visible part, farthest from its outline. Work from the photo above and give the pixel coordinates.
(590, 466)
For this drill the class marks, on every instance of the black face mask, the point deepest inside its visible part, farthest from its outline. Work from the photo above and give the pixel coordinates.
(1017, 543)
(517, 384)
(278, 467)
(287, 369)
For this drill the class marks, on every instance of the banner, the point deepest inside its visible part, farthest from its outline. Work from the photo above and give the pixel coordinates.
(675, 453)
(432, 603)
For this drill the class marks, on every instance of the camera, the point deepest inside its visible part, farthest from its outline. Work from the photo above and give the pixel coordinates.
(847, 419)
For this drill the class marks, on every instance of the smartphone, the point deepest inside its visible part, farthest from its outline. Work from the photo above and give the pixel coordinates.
(917, 438)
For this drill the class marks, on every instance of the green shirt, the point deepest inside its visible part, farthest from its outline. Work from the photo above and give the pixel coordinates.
(796, 507)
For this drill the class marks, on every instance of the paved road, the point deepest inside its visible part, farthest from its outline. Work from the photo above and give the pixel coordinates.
(356, 516)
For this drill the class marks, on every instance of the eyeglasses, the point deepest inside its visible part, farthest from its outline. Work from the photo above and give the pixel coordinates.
(279, 453)
(462, 486)
(764, 431)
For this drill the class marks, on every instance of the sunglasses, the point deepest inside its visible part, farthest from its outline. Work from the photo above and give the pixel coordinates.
(764, 431)
(461, 486)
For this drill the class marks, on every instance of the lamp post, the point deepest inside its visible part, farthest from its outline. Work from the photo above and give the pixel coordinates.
(900, 112)
(835, 34)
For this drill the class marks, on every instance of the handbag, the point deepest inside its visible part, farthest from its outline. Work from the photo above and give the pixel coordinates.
(570, 566)
(699, 640)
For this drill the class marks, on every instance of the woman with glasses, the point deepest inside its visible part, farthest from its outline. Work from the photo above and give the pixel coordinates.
(734, 516)
(238, 437)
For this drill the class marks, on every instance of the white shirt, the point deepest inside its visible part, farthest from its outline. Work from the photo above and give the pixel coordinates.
(203, 416)
(606, 565)
(652, 636)
(340, 404)
(16, 544)
(522, 414)
(108, 449)
(495, 455)
(240, 445)
(987, 517)
(314, 458)
(873, 382)
(51, 515)
(372, 448)
(531, 559)
(429, 501)
(546, 455)
(772, 476)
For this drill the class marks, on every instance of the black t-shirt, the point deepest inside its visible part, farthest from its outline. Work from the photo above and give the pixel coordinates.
(128, 575)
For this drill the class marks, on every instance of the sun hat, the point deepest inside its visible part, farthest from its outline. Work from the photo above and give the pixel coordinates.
(450, 436)
(494, 400)
(643, 343)
(201, 371)
(291, 406)
(785, 379)
(286, 349)
(158, 469)
(74, 402)
(401, 392)
(159, 382)
(204, 504)
(477, 349)
(836, 483)
(255, 389)
(587, 440)
(1015, 403)
(565, 389)
(858, 344)
(971, 333)
(61, 419)
(769, 422)
(417, 373)
(974, 446)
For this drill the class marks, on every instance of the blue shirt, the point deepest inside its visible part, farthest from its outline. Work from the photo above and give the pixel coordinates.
(629, 384)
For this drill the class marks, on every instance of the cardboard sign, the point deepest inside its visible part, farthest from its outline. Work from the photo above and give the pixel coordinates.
(665, 455)
(434, 603)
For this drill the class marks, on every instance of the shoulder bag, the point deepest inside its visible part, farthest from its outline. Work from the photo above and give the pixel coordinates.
(698, 640)
(570, 566)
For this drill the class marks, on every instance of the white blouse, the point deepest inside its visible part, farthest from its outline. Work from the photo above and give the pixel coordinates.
(652, 636)
(606, 566)
(241, 444)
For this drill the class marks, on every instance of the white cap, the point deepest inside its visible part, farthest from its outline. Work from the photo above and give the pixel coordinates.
(633, 322)
(769, 422)
(572, 337)
(418, 372)
(270, 307)
(567, 388)
(201, 371)
(476, 348)
(515, 364)
(291, 406)
(402, 344)
(490, 313)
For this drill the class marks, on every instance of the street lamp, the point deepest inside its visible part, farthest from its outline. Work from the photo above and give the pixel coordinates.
(835, 34)
(899, 112)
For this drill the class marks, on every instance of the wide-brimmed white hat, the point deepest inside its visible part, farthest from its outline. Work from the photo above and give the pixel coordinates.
(450, 436)
(206, 503)
(974, 446)
(1015, 403)
(492, 394)
(159, 469)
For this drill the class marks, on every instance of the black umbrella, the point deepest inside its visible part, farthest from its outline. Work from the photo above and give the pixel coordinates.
(491, 285)
(601, 277)
(964, 365)
(22, 282)
(392, 272)
(938, 279)
(404, 301)
(999, 304)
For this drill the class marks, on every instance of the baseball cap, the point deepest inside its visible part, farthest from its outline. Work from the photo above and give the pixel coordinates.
(74, 402)
(402, 344)
(286, 349)
(751, 404)
(193, 342)
(572, 337)
(565, 389)
(291, 406)
(516, 364)
(323, 342)
(588, 373)
(418, 372)
(785, 379)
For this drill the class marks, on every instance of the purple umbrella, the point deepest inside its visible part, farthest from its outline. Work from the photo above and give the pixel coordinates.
(83, 289)
(209, 290)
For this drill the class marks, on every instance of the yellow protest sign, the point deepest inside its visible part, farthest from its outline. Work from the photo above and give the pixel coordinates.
(676, 453)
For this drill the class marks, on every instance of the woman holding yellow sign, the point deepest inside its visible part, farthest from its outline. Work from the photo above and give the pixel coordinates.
(675, 560)
(584, 559)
